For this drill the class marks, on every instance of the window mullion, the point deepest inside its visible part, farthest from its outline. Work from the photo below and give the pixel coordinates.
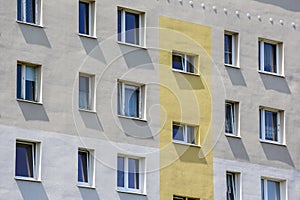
(263, 124)
(123, 25)
(34, 167)
(24, 10)
(278, 127)
(262, 56)
(23, 85)
(126, 172)
(232, 49)
(123, 98)
(140, 102)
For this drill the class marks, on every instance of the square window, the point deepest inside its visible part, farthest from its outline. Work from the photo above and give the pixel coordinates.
(231, 118)
(183, 62)
(130, 175)
(29, 82)
(270, 56)
(233, 186)
(185, 134)
(86, 17)
(27, 160)
(29, 11)
(85, 168)
(272, 189)
(231, 48)
(131, 100)
(86, 91)
(130, 26)
(271, 128)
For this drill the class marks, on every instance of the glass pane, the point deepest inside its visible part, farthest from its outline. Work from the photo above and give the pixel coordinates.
(178, 132)
(84, 18)
(132, 94)
(133, 173)
(177, 62)
(84, 92)
(24, 160)
(229, 118)
(19, 82)
(262, 189)
(132, 28)
(190, 64)
(271, 126)
(30, 11)
(83, 166)
(230, 187)
(119, 25)
(273, 190)
(228, 49)
(19, 10)
(270, 57)
(30, 83)
(120, 175)
(190, 131)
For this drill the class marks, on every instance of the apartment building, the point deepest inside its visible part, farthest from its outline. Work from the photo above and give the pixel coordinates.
(148, 100)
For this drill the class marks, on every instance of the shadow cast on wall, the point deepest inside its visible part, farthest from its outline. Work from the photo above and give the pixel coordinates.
(32, 190)
(88, 194)
(238, 149)
(33, 112)
(291, 5)
(34, 35)
(278, 153)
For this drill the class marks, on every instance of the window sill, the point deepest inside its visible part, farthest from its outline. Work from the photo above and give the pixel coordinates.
(87, 36)
(134, 118)
(272, 142)
(127, 191)
(272, 74)
(132, 45)
(233, 136)
(27, 101)
(186, 144)
(232, 66)
(183, 72)
(85, 110)
(30, 24)
(85, 186)
(20, 178)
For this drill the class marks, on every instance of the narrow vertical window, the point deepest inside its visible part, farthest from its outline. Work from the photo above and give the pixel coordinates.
(86, 92)
(84, 21)
(28, 82)
(231, 186)
(130, 25)
(28, 11)
(230, 48)
(83, 166)
(120, 175)
(231, 118)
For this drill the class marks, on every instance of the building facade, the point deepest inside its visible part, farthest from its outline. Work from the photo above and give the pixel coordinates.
(148, 100)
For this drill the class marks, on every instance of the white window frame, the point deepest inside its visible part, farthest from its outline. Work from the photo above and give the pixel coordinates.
(90, 168)
(235, 120)
(282, 187)
(36, 160)
(235, 49)
(38, 88)
(142, 25)
(121, 99)
(185, 58)
(185, 135)
(142, 174)
(236, 177)
(279, 56)
(38, 12)
(92, 91)
(280, 125)
(92, 18)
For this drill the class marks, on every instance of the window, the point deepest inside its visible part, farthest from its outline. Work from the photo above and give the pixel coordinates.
(270, 56)
(29, 82)
(27, 160)
(271, 128)
(129, 175)
(233, 186)
(87, 17)
(184, 198)
(130, 26)
(230, 48)
(85, 168)
(29, 11)
(271, 190)
(86, 91)
(183, 62)
(131, 99)
(185, 133)
(231, 118)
